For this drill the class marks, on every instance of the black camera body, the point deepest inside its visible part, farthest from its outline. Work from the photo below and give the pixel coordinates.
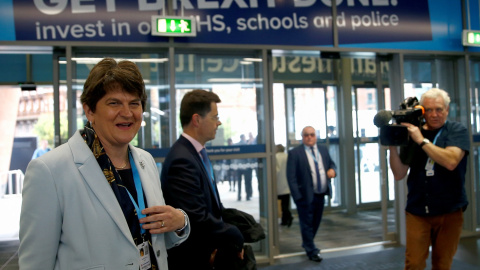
(395, 134)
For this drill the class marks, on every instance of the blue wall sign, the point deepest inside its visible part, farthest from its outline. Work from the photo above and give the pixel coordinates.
(306, 22)
(395, 24)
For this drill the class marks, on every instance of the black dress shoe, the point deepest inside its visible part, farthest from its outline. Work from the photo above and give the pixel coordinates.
(289, 222)
(315, 258)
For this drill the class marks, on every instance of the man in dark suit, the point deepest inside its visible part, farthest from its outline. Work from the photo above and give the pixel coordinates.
(309, 170)
(188, 183)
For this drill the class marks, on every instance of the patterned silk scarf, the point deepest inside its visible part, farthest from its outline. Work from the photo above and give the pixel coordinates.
(115, 181)
(112, 177)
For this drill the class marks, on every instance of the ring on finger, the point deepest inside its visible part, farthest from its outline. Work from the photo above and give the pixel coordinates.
(162, 224)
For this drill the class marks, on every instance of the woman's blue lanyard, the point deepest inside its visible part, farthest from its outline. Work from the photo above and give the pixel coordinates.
(430, 163)
(138, 187)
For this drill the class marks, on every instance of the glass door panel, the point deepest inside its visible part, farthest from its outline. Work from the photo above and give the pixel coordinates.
(15, 155)
(238, 150)
(316, 107)
(375, 188)
(367, 152)
(476, 163)
(475, 123)
(304, 93)
(368, 188)
(27, 122)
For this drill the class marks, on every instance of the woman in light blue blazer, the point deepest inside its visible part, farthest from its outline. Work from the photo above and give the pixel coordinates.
(96, 202)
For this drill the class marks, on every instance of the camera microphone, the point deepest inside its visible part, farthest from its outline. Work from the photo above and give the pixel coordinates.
(382, 118)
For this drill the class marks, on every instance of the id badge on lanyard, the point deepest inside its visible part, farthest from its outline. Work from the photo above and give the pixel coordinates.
(145, 263)
(143, 248)
(429, 167)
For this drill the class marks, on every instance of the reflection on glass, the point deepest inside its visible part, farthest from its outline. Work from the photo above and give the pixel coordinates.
(366, 101)
(477, 183)
(416, 73)
(241, 183)
(367, 173)
(27, 129)
(154, 131)
(312, 107)
(238, 175)
(475, 122)
(332, 121)
(336, 199)
(475, 97)
(415, 90)
(309, 105)
(391, 179)
(279, 114)
(237, 81)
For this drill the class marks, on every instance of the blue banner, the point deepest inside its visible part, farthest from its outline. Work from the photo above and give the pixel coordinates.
(216, 150)
(267, 22)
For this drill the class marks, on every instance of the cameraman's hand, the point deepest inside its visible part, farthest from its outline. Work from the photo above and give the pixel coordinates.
(414, 132)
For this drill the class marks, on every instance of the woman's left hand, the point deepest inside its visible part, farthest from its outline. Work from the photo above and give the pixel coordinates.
(162, 219)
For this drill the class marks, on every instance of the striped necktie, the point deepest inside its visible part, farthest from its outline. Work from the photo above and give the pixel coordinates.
(317, 171)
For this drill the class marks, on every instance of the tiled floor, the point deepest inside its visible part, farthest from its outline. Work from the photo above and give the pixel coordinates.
(337, 230)
(468, 253)
(468, 250)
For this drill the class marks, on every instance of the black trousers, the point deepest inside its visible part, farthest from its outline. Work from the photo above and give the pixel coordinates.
(285, 205)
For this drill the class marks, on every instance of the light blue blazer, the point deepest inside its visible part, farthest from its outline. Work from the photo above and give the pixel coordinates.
(71, 219)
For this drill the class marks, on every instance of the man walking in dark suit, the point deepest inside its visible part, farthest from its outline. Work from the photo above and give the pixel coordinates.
(309, 170)
(188, 183)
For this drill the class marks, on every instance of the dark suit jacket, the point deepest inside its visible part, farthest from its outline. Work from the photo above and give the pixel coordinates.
(299, 174)
(186, 185)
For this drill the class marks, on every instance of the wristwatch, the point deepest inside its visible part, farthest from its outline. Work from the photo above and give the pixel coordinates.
(425, 141)
(186, 220)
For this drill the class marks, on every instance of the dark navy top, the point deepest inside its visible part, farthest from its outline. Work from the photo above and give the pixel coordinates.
(444, 192)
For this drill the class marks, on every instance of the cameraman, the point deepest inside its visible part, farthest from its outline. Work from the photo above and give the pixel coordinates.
(436, 184)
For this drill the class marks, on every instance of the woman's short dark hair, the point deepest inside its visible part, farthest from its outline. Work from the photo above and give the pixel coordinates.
(197, 101)
(108, 74)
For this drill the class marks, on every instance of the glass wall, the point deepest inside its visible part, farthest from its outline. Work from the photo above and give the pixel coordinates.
(238, 150)
(154, 132)
(475, 124)
(423, 73)
(367, 153)
(308, 91)
(314, 106)
(27, 123)
(339, 97)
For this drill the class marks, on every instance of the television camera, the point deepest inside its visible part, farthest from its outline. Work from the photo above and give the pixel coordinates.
(395, 134)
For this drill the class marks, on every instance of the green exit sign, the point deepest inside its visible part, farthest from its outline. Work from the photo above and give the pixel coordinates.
(471, 38)
(173, 26)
